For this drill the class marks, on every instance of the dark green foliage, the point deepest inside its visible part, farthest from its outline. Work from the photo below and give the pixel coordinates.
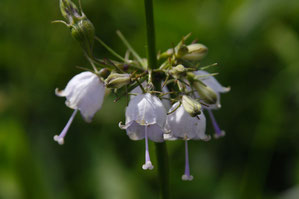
(255, 43)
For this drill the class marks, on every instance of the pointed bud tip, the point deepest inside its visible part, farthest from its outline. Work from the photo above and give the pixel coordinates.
(148, 166)
(187, 177)
(58, 139)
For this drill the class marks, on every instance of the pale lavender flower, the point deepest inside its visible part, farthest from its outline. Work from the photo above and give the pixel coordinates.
(181, 125)
(211, 82)
(84, 92)
(165, 102)
(145, 119)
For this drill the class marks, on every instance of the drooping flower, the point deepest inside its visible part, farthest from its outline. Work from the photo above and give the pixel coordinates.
(84, 92)
(181, 125)
(165, 102)
(145, 119)
(213, 84)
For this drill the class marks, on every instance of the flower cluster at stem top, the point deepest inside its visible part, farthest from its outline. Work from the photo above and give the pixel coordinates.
(166, 103)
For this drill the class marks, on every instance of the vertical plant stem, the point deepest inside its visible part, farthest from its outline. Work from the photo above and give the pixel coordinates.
(150, 33)
(161, 150)
(162, 159)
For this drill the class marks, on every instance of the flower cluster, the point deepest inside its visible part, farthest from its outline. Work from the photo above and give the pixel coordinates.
(166, 103)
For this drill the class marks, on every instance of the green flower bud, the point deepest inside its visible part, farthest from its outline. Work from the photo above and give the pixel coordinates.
(195, 52)
(69, 11)
(178, 71)
(191, 106)
(206, 93)
(183, 50)
(81, 28)
(104, 73)
(116, 80)
(83, 31)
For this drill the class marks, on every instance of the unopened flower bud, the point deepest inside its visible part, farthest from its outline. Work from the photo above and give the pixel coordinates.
(104, 73)
(83, 31)
(81, 28)
(206, 93)
(195, 52)
(183, 50)
(191, 106)
(178, 71)
(69, 11)
(116, 80)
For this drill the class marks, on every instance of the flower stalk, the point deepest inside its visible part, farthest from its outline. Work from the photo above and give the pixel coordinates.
(161, 149)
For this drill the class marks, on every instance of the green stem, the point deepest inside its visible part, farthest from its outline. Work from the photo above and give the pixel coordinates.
(161, 150)
(130, 48)
(150, 33)
(162, 159)
(110, 49)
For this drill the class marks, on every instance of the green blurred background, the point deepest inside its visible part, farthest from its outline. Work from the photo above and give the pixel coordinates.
(255, 42)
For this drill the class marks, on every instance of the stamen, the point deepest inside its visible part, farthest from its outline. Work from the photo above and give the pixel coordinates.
(218, 132)
(148, 163)
(187, 176)
(60, 138)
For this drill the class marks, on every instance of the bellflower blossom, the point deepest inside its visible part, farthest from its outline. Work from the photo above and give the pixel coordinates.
(84, 92)
(181, 125)
(165, 102)
(212, 83)
(145, 119)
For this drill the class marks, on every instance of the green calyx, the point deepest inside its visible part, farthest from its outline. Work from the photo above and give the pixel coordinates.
(84, 32)
(116, 80)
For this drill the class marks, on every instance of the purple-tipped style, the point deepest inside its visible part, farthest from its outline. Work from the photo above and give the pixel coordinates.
(84, 92)
(187, 176)
(145, 119)
(148, 164)
(60, 138)
(181, 125)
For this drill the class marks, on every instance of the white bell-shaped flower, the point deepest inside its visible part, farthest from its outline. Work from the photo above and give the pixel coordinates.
(165, 90)
(181, 125)
(84, 92)
(145, 119)
(211, 82)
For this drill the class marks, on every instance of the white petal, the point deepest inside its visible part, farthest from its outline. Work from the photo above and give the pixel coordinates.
(155, 133)
(211, 82)
(182, 125)
(146, 109)
(165, 102)
(84, 92)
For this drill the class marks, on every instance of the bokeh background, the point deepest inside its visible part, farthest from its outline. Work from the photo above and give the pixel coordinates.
(255, 42)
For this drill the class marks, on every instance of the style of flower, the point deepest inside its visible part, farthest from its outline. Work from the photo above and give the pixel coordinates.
(212, 83)
(145, 119)
(181, 125)
(84, 92)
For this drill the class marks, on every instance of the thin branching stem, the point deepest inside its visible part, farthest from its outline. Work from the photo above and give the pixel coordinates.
(130, 48)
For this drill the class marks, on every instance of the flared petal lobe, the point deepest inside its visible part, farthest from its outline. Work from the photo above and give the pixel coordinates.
(84, 92)
(211, 82)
